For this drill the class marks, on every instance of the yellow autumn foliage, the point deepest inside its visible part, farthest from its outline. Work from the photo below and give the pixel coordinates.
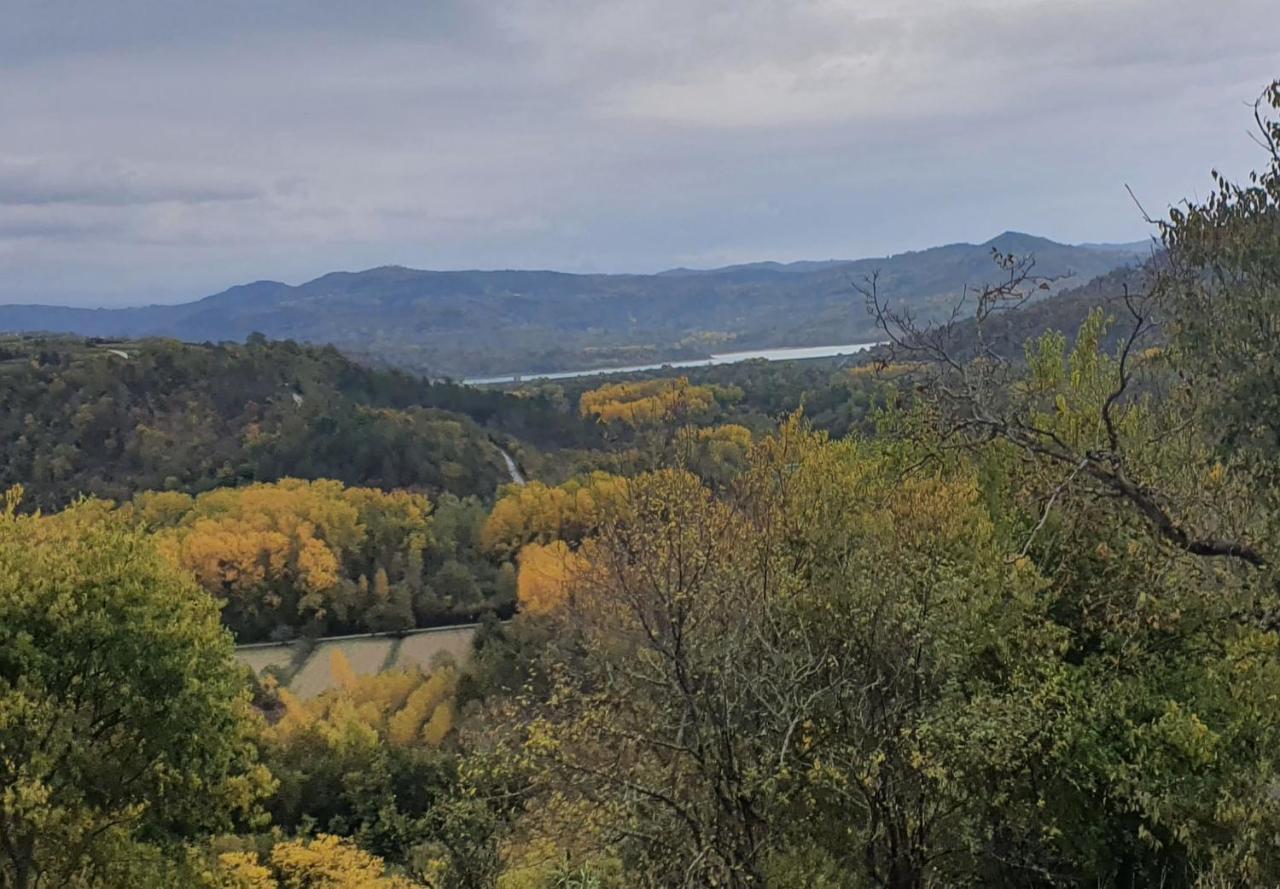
(340, 668)
(322, 862)
(540, 513)
(405, 725)
(648, 402)
(729, 433)
(294, 540)
(439, 725)
(546, 572)
(403, 707)
(713, 452)
(242, 870)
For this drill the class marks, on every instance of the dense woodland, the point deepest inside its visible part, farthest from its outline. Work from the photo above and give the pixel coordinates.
(109, 419)
(955, 615)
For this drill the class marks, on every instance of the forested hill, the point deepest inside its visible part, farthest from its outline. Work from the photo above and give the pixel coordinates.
(112, 419)
(1008, 332)
(479, 322)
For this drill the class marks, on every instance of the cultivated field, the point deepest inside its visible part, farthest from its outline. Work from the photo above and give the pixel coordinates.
(366, 654)
(258, 659)
(423, 648)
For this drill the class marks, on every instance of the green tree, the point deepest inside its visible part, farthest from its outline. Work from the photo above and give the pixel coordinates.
(1224, 296)
(672, 716)
(122, 713)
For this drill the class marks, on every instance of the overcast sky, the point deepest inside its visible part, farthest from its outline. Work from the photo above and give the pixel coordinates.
(161, 151)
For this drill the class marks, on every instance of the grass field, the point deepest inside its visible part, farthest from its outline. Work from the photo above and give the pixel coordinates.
(259, 659)
(423, 648)
(366, 656)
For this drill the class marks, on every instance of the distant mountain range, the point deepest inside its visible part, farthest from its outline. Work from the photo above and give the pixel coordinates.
(480, 322)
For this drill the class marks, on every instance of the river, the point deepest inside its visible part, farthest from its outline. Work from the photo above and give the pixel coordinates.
(781, 354)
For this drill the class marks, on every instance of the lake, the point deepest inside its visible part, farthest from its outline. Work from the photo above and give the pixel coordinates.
(782, 354)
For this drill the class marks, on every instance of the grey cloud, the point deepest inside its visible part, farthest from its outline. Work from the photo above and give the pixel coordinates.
(104, 183)
(168, 148)
(36, 30)
(46, 227)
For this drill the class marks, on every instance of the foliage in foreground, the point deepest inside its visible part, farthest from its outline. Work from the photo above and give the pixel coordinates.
(867, 668)
(123, 719)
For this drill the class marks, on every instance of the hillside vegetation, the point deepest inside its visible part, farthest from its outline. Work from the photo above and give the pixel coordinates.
(110, 420)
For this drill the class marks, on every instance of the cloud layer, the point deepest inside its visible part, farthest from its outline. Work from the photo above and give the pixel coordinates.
(158, 150)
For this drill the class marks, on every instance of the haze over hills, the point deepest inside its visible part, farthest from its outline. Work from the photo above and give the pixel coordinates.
(478, 322)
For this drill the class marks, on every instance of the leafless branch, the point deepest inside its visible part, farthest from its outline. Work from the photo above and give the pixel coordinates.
(974, 395)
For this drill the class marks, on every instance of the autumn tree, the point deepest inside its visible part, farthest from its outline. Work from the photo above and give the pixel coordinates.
(541, 513)
(1212, 293)
(653, 402)
(290, 555)
(546, 575)
(927, 641)
(1138, 481)
(892, 661)
(716, 454)
(375, 760)
(322, 862)
(662, 722)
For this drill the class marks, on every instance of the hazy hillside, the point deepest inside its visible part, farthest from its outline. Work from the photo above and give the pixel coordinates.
(1007, 333)
(477, 322)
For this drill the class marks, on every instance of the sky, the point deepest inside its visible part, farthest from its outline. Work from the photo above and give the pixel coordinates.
(162, 150)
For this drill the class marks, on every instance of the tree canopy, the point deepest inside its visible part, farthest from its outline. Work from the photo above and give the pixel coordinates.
(123, 718)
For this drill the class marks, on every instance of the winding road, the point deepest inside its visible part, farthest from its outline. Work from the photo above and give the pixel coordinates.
(512, 468)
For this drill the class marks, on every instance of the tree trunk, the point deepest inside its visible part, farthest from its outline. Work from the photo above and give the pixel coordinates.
(905, 874)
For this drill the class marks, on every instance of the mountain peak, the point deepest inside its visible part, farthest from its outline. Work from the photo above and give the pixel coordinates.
(1012, 240)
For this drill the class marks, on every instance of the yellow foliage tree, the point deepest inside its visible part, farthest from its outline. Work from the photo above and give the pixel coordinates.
(323, 862)
(396, 705)
(439, 725)
(539, 513)
(326, 862)
(241, 870)
(288, 552)
(713, 452)
(647, 403)
(729, 433)
(546, 572)
(405, 726)
(340, 668)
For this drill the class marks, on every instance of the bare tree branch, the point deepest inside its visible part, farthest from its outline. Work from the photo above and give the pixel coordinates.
(973, 391)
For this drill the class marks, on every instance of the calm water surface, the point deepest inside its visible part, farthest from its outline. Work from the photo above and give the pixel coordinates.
(788, 354)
